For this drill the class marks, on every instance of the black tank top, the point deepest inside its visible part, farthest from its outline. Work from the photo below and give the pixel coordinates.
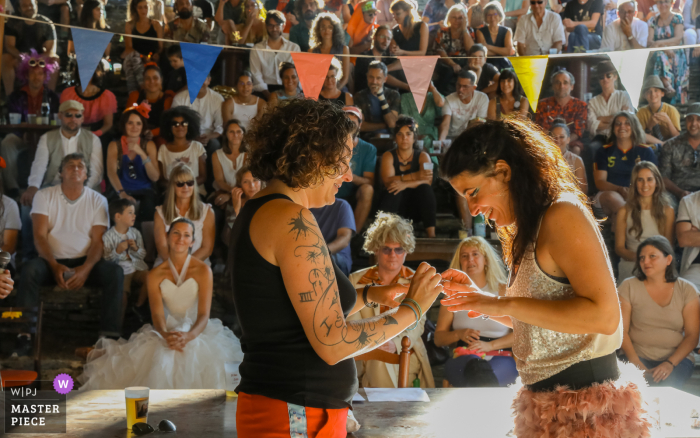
(414, 162)
(279, 362)
(142, 46)
(340, 100)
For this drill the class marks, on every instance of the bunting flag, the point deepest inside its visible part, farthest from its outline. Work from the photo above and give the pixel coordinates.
(630, 65)
(199, 59)
(418, 71)
(312, 69)
(90, 47)
(530, 71)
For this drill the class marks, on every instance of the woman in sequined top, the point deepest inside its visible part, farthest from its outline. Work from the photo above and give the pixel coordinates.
(561, 299)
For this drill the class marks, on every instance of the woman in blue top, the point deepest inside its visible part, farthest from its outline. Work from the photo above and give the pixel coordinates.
(132, 162)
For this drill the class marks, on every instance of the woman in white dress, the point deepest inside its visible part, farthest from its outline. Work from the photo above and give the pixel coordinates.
(183, 349)
(182, 200)
(647, 213)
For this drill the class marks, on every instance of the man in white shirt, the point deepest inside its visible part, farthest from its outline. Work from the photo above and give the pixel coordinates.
(627, 32)
(462, 106)
(208, 105)
(69, 221)
(539, 31)
(52, 147)
(688, 233)
(603, 107)
(265, 65)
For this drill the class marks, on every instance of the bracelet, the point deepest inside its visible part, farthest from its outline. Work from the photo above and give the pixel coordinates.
(415, 313)
(364, 297)
(148, 160)
(670, 363)
(420, 309)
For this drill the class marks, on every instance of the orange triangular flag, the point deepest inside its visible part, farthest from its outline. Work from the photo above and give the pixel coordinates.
(312, 69)
(418, 71)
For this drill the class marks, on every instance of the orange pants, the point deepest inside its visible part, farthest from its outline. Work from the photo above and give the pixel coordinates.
(258, 416)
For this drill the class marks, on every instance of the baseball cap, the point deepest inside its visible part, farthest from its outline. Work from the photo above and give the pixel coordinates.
(355, 111)
(71, 105)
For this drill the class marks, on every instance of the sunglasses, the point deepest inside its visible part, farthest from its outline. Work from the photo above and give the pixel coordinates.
(131, 170)
(178, 124)
(398, 251)
(145, 428)
(182, 184)
(608, 76)
(72, 115)
(536, 2)
(37, 63)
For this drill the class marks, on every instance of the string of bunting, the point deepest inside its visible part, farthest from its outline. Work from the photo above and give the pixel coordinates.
(199, 59)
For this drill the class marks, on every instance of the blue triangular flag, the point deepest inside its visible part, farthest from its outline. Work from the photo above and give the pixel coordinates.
(199, 59)
(90, 46)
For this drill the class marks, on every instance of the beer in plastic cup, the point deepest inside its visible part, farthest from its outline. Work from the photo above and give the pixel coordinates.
(136, 405)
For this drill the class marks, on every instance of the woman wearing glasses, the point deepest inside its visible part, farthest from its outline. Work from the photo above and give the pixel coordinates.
(182, 200)
(665, 30)
(132, 166)
(454, 39)
(561, 299)
(180, 126)
(497, 39)
(390, 238)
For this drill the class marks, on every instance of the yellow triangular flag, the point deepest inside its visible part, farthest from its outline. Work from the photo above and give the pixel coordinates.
(530, 71)
(630, 65)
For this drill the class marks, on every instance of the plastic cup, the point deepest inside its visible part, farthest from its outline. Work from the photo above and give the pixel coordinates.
(31, 119)
(136, 405)
(233, 378)
(15, 118)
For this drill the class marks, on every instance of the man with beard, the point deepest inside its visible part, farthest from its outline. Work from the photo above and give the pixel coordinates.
(186, 28)
(264, 65)
(380, 52)
(679, 160)
(462, 106)
(564, 106)
(306, 11)
(379, 105)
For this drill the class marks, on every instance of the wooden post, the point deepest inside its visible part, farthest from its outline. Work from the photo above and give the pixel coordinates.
(404, 362)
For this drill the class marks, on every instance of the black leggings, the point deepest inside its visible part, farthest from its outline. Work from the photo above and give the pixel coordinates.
(417, 204)
(581, 375)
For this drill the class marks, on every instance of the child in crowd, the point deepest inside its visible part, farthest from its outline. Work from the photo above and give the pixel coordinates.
(177, 79)
(123, 244)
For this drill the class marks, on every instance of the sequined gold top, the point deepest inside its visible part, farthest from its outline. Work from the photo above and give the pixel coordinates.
(541, 353)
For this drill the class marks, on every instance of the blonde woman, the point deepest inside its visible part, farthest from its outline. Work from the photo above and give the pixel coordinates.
(647, 213)
(182, 200)
(480, 261)
(390, 238)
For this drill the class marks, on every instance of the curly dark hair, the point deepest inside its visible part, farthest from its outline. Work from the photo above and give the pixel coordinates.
(539, 174)
(662, 244)
(300, 143)
(338, 32)
(191, 117)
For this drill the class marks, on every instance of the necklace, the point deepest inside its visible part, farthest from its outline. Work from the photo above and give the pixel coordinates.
(407, 160)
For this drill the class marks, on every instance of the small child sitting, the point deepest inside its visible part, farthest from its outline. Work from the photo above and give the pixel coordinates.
(123, 244)
(176, 80)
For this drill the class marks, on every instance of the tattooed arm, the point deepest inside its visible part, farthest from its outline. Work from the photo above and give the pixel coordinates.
(308, 274)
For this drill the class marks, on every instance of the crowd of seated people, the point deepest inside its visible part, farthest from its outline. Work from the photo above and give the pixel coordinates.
(153, 156)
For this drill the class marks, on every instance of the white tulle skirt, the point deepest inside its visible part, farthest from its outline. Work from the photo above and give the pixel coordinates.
(146, 360)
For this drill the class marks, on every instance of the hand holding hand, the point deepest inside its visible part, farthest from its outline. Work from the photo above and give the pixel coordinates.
(425, 286)
(176, 340)
(469, 335)
(79, 278)
(122, 246)
(6, 284)
(395, 186)
(462, 294)
(58, 270)
(481, 346)
(133, 245)
(386, 295)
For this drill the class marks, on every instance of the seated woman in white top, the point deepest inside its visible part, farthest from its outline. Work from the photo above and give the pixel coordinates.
(10, 223)
(182, 200)
(183, 349)
(660, 316)
(647, 213)
(561, 135)
(390, 238)
(227, 161)
(243, 106)
(180, 126)
(479, 260)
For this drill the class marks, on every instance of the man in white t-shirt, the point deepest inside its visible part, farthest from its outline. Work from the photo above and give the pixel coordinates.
(69, 221)
(463, 106)
(627, 32)
(688, 232)
(539, 31)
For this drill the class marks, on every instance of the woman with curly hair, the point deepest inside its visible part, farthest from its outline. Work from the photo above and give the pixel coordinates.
(390, 239)
(479, 260)
(646, 213)
(132, 167)
(561, 299)
(298, 372)
(180, 126)
(328, 37)
(411, 33)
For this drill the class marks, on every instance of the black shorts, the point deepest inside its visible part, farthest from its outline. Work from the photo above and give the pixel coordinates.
(581, 375)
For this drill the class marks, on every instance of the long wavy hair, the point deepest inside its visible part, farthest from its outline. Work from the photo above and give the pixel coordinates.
(181, 173)
(658, 199)
(539, 175)
(638, 136)
(411, 19)
(493, 266)
(132, 14)
(338, 32)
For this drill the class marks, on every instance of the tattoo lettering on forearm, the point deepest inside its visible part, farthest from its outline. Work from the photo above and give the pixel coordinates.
(330, 327)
